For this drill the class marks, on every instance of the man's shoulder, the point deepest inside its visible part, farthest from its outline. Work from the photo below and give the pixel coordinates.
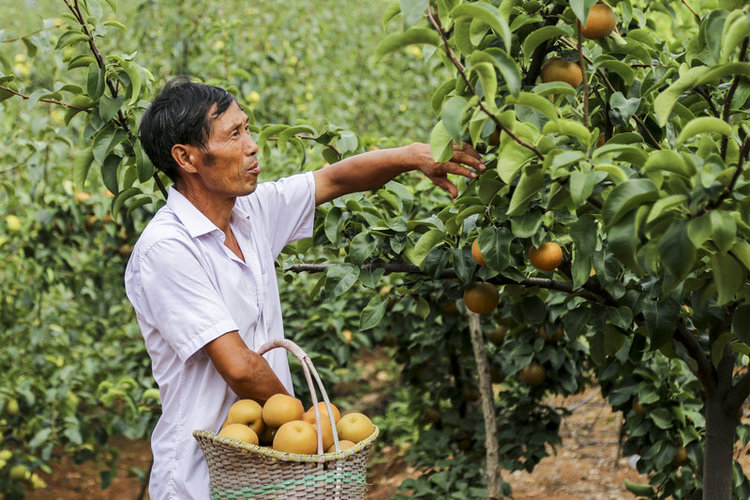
(164, 226)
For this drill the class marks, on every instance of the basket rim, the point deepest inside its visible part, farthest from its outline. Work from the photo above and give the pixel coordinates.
(285, 456)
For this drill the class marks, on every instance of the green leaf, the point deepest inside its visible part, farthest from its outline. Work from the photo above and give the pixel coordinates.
(703, 125)
(624, 71)
(131, 69)
(70, 37)
(661, 320)
(106, 140)
(736, 28)
(441, 143)
(340, 278)
(570, 128)
(488, 79)
(729, 276)
(95, 81)
(494, 243)
(508, 69)
(487, 14)
(741, 251)
(143, 164)
(361, 247)
(723, 229)
(677, 251)
(534, 101)
(717, 348)
(627, 196)
(412, 36)
(452, 115)
(532, 180)
(412, 10)
(121, 197)
(581, 186)
(693, 77)
(623, 239)
(699, 230)
(439, 96)
(581, 9)
(109, 172)
(108, 107)
(392, 10)
(333, 224)
(81, 165)
(541, 35)
(373, 312)
(417, 254)
(666, 160)
(664, 204)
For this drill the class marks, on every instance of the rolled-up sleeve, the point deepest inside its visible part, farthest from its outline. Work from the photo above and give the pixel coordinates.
(182, 302)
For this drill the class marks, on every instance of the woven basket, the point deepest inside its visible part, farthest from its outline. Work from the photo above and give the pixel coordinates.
(241, 470)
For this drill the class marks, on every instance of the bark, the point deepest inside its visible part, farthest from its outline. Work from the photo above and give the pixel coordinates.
(719, 445)
(494, 480)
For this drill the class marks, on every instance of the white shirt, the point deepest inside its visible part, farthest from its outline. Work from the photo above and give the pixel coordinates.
(187, 289)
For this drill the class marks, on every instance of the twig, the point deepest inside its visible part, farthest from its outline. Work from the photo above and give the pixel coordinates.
(75, 9)
(582, 64)
(537, 58)
(711, 205)
(704, 373)
(22, 37)
(726, 112)
(612, 89)
(460, 67)
(707, 97)
(697, 17)
(50, 101)
(19, 164)
(494, 480)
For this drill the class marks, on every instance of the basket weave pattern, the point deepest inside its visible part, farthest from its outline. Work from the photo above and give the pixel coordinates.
(241, 470)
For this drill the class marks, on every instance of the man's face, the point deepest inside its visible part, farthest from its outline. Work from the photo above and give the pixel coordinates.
(229, 165)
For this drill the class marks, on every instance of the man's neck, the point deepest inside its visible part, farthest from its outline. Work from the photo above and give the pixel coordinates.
(217, 210)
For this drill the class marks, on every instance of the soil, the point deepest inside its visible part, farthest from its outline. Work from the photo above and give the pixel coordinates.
(588, 465)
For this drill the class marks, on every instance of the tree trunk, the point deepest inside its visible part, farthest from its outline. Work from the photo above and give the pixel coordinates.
(719, 445)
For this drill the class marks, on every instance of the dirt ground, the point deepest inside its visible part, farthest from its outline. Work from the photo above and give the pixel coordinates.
(586, 467)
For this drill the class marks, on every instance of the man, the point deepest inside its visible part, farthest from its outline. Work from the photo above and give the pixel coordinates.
(201, 277)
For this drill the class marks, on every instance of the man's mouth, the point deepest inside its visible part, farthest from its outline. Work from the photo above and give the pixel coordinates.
(255, 169)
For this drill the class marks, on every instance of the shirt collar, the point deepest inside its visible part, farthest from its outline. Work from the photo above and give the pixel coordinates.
(196, 223)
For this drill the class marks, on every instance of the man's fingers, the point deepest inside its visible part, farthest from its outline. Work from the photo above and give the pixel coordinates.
(468, 159)
(444, 183)
(450, 167)
(467, 148)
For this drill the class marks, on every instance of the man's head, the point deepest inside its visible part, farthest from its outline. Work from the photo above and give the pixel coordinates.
(182, 114)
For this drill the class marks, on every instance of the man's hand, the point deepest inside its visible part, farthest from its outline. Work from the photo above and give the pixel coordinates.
(373, 169)
(438, 172)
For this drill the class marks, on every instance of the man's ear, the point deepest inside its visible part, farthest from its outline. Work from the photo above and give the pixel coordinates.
(185, 156)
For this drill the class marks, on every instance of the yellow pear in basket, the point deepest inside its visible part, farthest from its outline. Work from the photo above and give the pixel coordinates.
(280, 409)
(240, 432)
(296, 436)
(344, 444)
(354, 427)
(310, 413)
(247, 412)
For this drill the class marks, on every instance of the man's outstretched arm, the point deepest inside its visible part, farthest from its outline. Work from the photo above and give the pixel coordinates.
(373, 169)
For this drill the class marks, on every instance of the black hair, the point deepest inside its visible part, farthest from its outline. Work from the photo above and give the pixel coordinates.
(180, 115)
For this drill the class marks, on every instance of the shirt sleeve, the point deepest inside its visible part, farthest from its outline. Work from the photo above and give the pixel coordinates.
(181, 301)
(287, 208)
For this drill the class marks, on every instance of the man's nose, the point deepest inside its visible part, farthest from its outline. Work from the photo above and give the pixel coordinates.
(252, 147)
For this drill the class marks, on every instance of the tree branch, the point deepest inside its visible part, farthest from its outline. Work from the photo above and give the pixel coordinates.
(694, 349)
(727, 111)
(50, 101)
(76, 11)
(537, 58)
(461, 70)
(582, 64)
(612, 89)
(739, 392)
(697, 17)
(714, 204)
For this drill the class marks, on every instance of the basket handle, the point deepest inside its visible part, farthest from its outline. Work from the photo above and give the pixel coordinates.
(308, 367)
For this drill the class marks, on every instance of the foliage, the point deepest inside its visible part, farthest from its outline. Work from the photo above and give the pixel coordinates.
(638, 174)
